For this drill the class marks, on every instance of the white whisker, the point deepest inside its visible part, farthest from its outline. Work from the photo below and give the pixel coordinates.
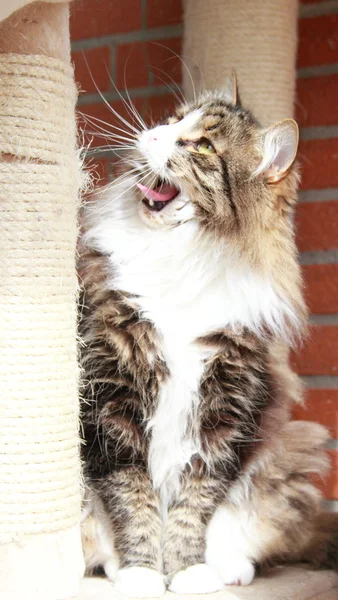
(107, 103)
(91, 118)
(125, 191)
(132, 106)
(129, 106)
(172, 90)
(183, 63)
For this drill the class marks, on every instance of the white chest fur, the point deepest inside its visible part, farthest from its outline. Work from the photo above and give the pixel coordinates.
(188, 286)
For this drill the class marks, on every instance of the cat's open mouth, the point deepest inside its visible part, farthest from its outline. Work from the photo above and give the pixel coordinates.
(158, 197)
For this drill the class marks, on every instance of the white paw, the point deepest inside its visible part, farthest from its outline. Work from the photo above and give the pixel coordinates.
(139, 582)
(236, 571)
(198, 579)
(110, 568)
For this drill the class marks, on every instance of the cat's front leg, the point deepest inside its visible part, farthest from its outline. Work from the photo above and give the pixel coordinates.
(185, 539)
(134, 512)
(228, 548)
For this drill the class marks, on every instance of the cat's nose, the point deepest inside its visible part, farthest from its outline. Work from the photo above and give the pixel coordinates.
(148, 138)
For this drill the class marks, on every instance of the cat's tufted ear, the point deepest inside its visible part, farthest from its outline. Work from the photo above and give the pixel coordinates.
(279, 147)
(231, 90)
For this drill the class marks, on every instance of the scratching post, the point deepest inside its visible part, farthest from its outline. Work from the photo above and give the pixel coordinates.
(257, 39)
(40, 547)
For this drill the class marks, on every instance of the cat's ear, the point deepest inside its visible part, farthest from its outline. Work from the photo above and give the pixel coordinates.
(279, 147)
(231, 91)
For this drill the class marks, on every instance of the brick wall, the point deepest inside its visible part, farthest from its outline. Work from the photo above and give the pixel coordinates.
(317, 216)
(117, 38)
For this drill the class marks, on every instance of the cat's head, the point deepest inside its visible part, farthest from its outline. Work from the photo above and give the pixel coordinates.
(213, 188)
(212, 161)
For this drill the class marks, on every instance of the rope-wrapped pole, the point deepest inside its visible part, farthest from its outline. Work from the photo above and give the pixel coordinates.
(257, 39)
(40, 548)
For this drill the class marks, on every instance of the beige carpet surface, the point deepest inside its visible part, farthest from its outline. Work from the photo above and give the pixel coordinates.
(293, 583)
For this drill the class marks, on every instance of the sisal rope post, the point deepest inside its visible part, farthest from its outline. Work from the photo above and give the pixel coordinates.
(40, 545)
(258, 39)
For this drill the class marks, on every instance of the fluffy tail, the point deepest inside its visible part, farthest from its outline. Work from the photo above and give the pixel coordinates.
(322, 551)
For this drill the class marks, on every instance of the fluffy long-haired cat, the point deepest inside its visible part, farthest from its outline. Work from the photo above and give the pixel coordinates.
(195, 473)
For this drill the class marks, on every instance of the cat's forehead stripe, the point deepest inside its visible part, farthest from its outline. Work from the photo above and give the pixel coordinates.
(188, 122)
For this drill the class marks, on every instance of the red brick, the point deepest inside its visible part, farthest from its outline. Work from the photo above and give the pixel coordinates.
(94, 18)
(317, 101)
(134, 63)
(319, 160)
(318, 41)
(92, 69)
(319, 354)
(317, 226)
(321, 407)
(329, 484)
(161, 14)
(321, 285)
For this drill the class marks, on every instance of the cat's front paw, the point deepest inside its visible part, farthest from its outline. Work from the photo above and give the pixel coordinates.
(236, 571)
(139, 582)
(197, 579)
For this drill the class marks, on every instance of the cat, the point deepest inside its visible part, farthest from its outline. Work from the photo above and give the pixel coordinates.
(192, 296)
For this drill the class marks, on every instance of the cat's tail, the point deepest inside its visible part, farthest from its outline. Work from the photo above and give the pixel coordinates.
(322, 550)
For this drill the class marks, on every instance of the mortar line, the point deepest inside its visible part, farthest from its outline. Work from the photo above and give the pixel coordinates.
(321, 319)
(319, 382)
(317, 71)
(170, 31)
(320, 132)
(320, 195)
(319, 257)
(318, 9)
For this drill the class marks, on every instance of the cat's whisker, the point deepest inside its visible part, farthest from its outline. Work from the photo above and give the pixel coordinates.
(92, 118)
(137, 131)
(108, 148)
(112, 140)
(116, 147)
(111, 151)
(125, 191)
(171, 89)
(183, 63)
(129, 106)
(104, 100)
(115, 183)
(105, 136)
(132, 106)
(135, 113)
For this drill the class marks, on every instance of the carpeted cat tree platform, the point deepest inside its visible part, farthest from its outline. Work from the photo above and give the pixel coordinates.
(40, 481)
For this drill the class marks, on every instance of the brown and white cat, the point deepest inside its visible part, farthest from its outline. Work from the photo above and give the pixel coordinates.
(191, 297)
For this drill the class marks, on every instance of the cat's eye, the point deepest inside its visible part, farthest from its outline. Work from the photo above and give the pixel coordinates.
(201, 146)
(204, 147)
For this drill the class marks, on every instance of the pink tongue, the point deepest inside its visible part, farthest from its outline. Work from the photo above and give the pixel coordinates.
(168, 192)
